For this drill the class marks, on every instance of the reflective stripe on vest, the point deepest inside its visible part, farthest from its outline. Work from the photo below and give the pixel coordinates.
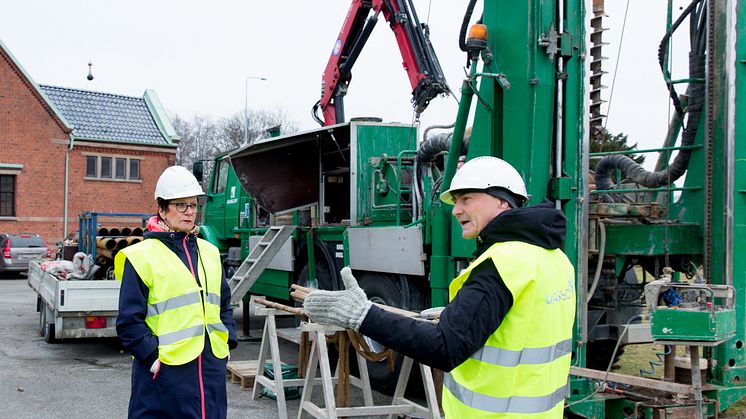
(512, 404)
(523, 367)
(173, 303)
(179, 335)
(508, 358)
(213, 298)
(179, 311)
(217, 327)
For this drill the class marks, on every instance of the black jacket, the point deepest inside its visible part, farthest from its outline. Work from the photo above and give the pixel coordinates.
(480, 305)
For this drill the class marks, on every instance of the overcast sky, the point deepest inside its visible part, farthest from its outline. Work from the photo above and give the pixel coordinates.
(197, 56)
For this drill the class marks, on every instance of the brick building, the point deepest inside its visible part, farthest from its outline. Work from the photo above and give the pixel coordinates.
(65, 151)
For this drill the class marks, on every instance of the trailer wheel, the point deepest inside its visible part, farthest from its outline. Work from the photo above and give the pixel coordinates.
(48, 328)
(42, 316)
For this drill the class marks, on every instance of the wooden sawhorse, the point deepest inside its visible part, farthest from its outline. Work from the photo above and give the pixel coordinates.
(399, 405)
(270, 349)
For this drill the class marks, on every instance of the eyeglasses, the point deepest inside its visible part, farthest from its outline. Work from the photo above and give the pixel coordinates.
(183, 206)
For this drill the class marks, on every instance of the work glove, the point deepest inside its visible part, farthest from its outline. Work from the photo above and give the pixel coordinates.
(431, 313)
(155, 368)
(345, 308)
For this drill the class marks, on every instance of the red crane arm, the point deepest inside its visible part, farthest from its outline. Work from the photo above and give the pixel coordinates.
(418, 56)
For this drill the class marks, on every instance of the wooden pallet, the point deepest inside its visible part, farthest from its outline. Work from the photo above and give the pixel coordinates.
(243, 373)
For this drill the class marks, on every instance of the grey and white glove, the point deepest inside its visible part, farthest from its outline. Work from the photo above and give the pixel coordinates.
(345, 308)
(155, 368)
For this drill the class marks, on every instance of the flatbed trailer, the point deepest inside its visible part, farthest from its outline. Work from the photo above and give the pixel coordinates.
(73, 308)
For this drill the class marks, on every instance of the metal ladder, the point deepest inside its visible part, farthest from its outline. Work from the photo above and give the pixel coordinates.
(258, 260)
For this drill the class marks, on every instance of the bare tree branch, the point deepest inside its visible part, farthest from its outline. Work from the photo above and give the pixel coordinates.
(203, 138)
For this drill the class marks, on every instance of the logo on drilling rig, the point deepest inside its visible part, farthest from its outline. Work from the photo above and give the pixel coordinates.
(337, 47)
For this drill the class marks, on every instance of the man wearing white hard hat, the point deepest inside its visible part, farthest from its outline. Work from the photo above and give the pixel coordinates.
(505, 338)
(175, 316)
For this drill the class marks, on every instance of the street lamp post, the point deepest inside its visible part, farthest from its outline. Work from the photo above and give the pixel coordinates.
(246, 107)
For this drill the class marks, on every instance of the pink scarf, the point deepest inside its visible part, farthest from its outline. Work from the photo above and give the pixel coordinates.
(157, 225)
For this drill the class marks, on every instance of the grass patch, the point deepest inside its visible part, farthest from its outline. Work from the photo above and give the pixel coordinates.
(637, 357)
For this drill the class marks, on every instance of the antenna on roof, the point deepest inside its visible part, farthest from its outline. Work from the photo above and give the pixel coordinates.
(90, 71)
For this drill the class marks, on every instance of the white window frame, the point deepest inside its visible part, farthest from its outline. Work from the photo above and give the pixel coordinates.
(113, 158)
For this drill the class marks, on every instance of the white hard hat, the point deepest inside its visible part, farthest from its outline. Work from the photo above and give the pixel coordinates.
(177, 182)
(485, 172)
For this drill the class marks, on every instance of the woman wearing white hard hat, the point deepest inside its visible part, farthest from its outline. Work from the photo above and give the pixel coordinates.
(175, 316)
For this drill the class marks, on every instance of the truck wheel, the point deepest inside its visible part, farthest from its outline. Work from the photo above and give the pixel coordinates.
(325, 282)
(384, 289)
(323, 277)
(48, 328)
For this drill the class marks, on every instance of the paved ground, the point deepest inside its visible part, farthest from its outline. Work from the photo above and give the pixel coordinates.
(89, 378)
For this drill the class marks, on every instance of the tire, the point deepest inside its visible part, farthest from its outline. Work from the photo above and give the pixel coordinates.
(325, 282)
(419, 293)
(598, 354)
(42, 315)
(324, 278)
(384, 289)
(48, 328)
(229, 270)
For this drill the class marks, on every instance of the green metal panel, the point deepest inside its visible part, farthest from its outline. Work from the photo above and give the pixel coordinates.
(273, 283)
(330, 233)
(518, 124)
(672, 323)
(575, 157)
(728, 250)
(726, 396)
(651, 239)
(377, 181)
(735, 349)
(722, 159)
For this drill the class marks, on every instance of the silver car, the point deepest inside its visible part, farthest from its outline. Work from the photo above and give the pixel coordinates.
(19, 249)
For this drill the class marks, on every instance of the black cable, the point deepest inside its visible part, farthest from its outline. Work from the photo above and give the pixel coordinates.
(314, 113)
(696, 92)
(465, 25)
(428, 152)
(602, 384)
(663, 53)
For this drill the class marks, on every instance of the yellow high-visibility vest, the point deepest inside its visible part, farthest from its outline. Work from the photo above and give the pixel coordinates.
(522, 370)
(179, 310)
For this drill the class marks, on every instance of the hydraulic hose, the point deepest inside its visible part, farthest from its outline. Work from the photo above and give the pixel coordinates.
(465, 25)
(429, 150)
(696, 94)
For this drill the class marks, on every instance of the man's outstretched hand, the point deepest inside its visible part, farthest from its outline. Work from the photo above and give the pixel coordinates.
(346, 308)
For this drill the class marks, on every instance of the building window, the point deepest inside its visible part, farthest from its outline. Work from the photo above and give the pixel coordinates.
(134, 169)
(120, 168)
(105, 168)
(91, 166)
(7, 195)
(112, 168)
